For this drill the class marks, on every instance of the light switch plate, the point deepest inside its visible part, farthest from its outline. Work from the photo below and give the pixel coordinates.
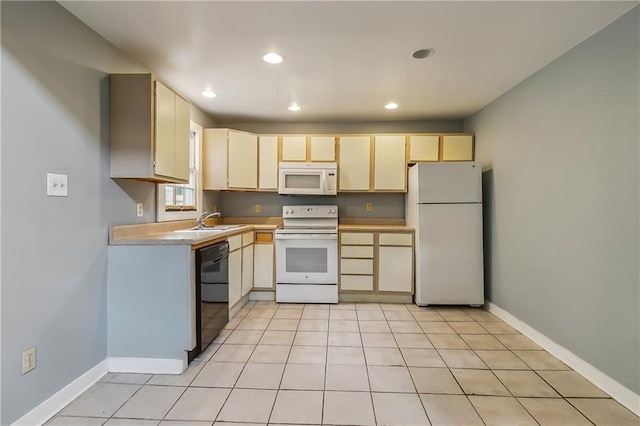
(56, 185)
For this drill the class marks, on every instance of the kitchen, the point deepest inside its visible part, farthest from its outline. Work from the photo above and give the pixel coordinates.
(62, 77)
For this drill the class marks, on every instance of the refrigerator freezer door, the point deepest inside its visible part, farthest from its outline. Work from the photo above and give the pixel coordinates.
(449, 255)
(455, 182)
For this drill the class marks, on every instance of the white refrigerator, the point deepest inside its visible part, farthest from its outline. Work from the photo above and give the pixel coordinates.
(444, 205)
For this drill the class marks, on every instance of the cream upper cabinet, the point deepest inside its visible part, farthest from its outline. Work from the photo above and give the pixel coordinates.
(268, 163)
(424, 148)
(390, 163)
(229, 159)
(457, 148)
(323, 148)
(354, 164)
(214, 158)
(149, 130)
(294, 148)
(242, 165)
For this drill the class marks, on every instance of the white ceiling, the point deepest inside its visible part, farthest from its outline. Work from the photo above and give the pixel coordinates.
(344, 60)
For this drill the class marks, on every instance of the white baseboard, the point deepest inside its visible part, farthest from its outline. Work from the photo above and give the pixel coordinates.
(146, 365)
(64, 396)
(619, 392)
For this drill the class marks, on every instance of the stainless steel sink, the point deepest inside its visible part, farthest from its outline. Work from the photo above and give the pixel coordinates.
(217, 228)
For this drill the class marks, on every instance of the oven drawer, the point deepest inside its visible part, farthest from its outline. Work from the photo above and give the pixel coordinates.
(356, 282)
(357, 251)
(356, 266)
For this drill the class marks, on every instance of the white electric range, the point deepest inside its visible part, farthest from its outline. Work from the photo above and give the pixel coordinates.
(307, 255)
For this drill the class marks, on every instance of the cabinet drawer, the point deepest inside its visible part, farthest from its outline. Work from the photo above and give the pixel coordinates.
(235, 242)
(247, 238)
(365, 252)
(356, 266)
(356, 282)
(356, 238)
(395, 239)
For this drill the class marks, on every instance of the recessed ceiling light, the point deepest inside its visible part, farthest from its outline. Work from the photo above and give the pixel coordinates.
(295, 107)
(391, 105)
(272, 58)
(423, 53)
(208, 94)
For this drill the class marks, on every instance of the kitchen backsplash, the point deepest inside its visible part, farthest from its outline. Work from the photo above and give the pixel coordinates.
(349, 205)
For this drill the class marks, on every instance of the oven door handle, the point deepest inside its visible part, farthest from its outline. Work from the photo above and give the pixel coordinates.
(306, 236)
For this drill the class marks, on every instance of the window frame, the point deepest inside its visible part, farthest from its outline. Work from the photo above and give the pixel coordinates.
(164, 215)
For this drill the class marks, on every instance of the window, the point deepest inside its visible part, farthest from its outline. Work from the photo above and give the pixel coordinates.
(183, 201)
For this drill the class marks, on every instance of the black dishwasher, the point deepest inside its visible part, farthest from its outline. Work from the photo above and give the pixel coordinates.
(212, 294)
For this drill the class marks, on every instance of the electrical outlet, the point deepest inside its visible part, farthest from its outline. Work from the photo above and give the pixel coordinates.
(56, 185)
(140, 209)
(257, 208)
(28, 360)
(368, 207)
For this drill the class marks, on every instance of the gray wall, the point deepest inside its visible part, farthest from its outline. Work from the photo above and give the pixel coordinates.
(562, 186)
(55, 118)
(349, 205)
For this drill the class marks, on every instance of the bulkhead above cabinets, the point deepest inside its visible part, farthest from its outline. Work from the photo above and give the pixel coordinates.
(234, 160)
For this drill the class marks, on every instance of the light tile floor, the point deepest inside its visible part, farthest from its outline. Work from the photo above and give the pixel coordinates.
(356, 364)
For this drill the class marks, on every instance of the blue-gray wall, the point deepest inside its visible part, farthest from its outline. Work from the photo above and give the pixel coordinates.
(55, 118)
(561, 154)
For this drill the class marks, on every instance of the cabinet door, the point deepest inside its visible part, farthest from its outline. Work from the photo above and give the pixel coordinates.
(424, 148)
(214, 159)
(242, 165)
(294, 148)
(457, 148)
(182, 137)
(235, 277)
(164, 130)
(390, 163)
(263, 266)
(323, 148)
(354, 163)
(247, 269)
(395, 269)
(268, 163)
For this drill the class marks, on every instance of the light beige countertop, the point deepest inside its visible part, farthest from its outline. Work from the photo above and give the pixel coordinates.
(167, 234)
(180, 233)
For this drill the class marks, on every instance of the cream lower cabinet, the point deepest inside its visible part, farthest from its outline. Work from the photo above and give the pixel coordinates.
(235, 269)
(376, 262)
(395, 262)
(263, 261)
(356, 261)
(247, 262)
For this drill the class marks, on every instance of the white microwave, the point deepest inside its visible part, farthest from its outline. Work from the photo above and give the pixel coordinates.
(307, 178)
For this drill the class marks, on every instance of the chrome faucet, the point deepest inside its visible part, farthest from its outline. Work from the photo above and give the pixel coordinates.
(200, 221)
